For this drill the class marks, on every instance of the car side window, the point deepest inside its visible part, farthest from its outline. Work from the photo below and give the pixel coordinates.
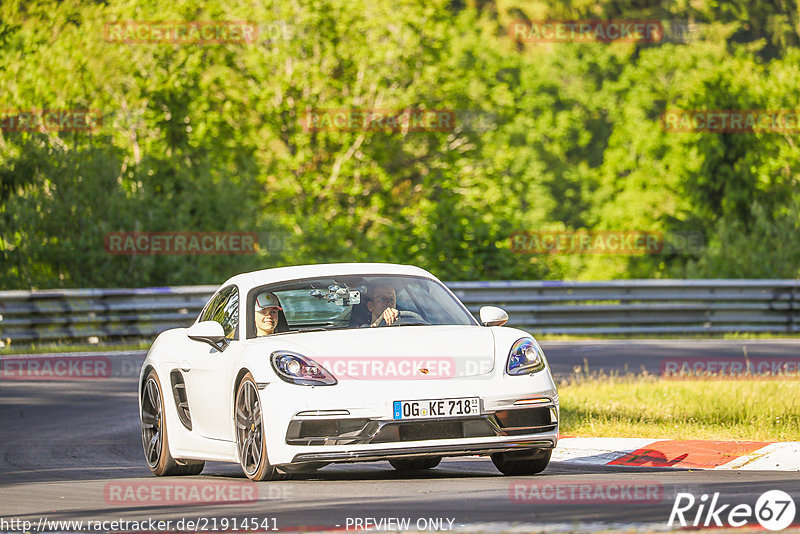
(224, 309)
(211, 307)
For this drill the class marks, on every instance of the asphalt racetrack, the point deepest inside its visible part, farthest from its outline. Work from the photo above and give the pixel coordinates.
(71, 450)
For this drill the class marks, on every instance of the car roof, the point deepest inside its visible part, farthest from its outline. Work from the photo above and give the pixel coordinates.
(279, 274)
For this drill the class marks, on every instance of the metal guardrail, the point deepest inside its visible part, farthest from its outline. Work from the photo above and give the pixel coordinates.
(632, 307)
(81, 314)
(640, 307)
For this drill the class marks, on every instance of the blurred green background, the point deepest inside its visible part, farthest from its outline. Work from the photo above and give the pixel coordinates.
(561, 136)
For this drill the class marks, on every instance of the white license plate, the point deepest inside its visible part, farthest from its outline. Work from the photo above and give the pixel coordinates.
(436, 408)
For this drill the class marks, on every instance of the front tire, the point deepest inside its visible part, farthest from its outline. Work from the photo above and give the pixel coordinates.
(415, 464)
(154, 434)
(512, 464)
(250, 440)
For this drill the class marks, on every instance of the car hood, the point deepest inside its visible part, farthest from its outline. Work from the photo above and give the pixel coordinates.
(399, 352)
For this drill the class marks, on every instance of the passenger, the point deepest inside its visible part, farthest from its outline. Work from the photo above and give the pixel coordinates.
(268, 309)
(382, 303)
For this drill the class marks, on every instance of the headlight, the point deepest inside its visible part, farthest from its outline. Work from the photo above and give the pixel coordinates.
(525, 357)
(298, 369)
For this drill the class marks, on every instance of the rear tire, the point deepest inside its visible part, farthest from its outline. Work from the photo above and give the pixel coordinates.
(507, 464)
(250, 438)
(154, 434)
(415, 464)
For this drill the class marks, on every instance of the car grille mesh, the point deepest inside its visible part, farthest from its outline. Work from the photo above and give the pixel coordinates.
(512, 422)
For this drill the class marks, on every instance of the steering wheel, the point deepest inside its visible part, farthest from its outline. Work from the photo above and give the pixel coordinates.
(404, 317)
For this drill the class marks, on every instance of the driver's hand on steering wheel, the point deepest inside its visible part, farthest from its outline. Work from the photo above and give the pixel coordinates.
(389, 315)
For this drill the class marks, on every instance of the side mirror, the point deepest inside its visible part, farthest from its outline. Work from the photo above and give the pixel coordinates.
(209, 332)
(493, 316)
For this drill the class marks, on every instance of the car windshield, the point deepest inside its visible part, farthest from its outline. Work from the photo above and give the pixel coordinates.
(355, 302)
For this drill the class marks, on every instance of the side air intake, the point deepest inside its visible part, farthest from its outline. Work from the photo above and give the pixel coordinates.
(179, 392)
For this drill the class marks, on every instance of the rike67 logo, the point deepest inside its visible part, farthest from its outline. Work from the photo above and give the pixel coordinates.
(774, 510)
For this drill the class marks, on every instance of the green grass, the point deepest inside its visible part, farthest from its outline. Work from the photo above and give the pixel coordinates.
(40, 348)
(61, 346)
(651, 407)
(635, 405)
(728, 335)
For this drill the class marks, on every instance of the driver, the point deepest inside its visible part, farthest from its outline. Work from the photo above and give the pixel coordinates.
(382, 303)
(268, 308)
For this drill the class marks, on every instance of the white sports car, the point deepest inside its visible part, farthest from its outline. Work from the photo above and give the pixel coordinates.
(290, 369)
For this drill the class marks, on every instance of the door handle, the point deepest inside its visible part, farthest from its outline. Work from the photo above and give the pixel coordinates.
(185, 367)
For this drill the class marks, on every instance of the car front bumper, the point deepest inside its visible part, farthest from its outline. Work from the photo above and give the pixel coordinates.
(353, 420)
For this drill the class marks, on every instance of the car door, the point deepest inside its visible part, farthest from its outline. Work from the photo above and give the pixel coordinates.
(208, 372)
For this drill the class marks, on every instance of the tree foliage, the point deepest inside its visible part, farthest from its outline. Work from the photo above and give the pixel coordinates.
(563, 136)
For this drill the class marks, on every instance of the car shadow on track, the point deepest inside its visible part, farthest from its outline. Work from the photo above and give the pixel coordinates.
(370, 471)
(477, 468)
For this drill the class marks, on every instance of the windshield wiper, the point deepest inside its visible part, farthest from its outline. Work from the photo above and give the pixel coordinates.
(299, 330)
